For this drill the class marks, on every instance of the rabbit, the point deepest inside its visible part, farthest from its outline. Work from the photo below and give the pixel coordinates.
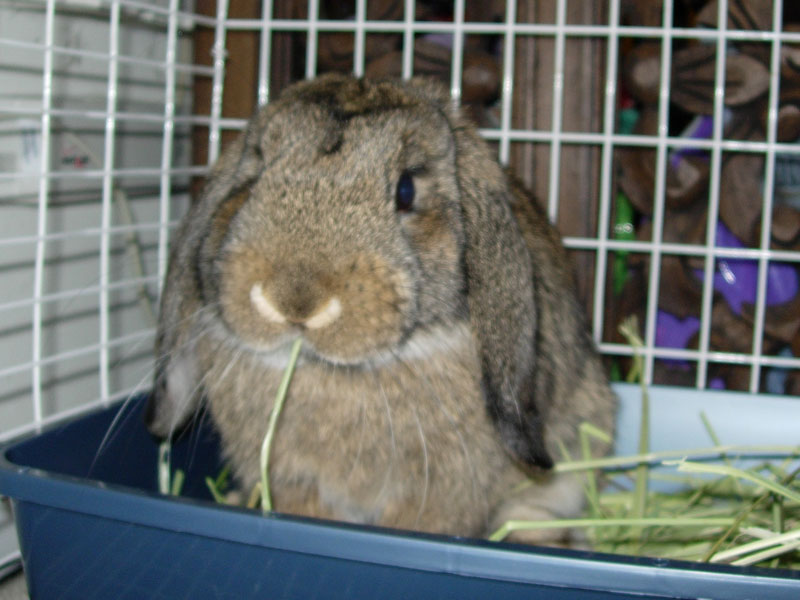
(445, 360)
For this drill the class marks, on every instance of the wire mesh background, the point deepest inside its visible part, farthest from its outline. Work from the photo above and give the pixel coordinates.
(112, 112)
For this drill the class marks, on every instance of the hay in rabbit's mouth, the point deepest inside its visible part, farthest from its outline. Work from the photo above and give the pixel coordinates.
(266, 446)
(170, 484)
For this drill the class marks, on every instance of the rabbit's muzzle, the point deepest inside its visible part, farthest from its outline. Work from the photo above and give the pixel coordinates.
(296, 297)
(347, 310)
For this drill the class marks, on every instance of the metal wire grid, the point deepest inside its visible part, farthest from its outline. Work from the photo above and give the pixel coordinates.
(102, 179)
(173, 18)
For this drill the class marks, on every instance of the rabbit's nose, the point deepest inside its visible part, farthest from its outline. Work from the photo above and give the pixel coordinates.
(295, 303)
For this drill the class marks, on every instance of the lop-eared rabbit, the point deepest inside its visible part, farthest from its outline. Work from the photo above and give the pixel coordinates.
(445, 360)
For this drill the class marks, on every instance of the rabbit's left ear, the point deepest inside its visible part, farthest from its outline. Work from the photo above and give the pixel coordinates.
(501, 298)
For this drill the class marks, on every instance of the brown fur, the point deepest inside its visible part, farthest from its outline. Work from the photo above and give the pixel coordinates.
(445, 356)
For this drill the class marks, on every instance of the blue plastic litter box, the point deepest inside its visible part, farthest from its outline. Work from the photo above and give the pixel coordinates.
(92, 525)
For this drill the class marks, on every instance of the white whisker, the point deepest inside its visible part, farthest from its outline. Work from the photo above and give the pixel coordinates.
(424, 443)
(361, 437)
(390, 423)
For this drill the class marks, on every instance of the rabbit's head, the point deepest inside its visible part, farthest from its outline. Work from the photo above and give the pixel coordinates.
(350, 234)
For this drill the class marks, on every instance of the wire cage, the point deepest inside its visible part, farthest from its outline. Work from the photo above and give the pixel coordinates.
(660, 135)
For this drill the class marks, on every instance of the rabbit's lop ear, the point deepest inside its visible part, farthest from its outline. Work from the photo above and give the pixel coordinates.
(501, 298)
(177, 387)
(239, 164)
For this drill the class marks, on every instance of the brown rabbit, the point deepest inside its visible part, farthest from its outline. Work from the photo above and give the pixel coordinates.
(445, 356)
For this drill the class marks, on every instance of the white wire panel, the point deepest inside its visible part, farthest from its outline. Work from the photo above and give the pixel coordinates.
(89, 188)
(107, 93)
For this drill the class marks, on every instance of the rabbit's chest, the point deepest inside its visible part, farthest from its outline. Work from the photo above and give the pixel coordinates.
(390, 444)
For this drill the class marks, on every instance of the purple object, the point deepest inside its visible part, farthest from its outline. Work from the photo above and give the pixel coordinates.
(701, 128)
(716, 383)
(672, 332)
(737, 279)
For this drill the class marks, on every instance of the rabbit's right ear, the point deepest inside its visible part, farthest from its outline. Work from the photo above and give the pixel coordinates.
(501, 297)
(177, 391)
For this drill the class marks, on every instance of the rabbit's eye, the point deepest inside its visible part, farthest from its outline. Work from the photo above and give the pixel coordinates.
(404, 195)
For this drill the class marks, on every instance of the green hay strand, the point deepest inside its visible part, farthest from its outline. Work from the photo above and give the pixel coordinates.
(218, 496)
(728, 471)
(176, 487)
(266, 446)
(511, 526)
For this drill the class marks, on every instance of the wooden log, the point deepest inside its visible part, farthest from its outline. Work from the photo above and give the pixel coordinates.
(241, 75)
(582, 106)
